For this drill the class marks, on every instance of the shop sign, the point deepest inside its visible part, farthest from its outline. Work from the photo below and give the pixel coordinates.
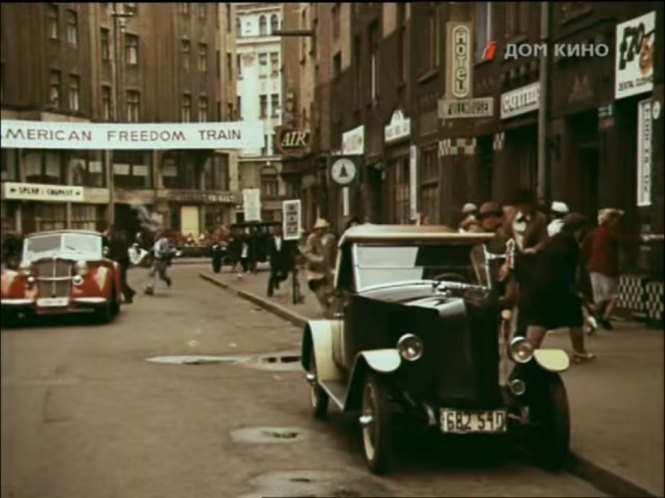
(353, 141)
(290, 142)
(251, 204)
(459, 63)
(291, 219)
(40, 192)
(399, 127)
(466, 108)
(644, 131)
(635, 41)
(413, 182)
(130, 136)
(520, 101)
(204, 197)
(96, 195)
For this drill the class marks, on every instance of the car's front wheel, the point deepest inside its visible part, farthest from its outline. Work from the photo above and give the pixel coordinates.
(550, 416)
(110, 309)
(375, 421)
(318, 398)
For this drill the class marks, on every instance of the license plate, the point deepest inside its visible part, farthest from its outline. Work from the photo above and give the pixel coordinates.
(465, 422)
(53, 302)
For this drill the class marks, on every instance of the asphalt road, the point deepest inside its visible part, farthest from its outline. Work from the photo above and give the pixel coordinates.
(84, 415)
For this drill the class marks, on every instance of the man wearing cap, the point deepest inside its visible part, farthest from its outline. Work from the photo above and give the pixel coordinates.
(469, 220)
(319, 254)
(490, 220)
(557, 211)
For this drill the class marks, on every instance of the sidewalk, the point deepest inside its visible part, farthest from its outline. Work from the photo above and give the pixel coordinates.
(616, 401)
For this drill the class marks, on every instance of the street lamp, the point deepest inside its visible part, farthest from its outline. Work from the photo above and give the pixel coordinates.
(119, 24)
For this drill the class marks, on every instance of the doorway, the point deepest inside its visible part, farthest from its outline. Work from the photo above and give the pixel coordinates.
(588, 179)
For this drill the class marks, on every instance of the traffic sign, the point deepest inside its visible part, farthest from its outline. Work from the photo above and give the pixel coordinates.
(343, 171)
(291, 219)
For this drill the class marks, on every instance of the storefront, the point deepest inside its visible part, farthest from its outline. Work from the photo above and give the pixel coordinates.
(397, 136)
(196, 213)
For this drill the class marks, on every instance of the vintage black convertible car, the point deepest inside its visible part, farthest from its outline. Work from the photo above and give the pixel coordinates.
(418, 328)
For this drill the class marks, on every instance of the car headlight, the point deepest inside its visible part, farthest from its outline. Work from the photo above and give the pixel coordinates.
(30, 280)
(77, 280)
(520, 350)
(81, 268)
(25, 269)
(410, 347)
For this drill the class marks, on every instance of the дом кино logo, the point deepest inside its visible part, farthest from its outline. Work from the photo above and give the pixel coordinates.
(516, 51)
(490, 51)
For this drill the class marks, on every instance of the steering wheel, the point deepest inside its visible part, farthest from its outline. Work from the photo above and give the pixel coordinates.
(458, 277)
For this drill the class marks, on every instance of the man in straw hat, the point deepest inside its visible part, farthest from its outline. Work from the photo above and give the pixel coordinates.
(320, 264)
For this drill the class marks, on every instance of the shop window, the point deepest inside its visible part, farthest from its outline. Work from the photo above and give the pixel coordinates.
(132, 169)
(41, 216)
(401, 191)
(430, 203)
(88, 217)
(87, 168)
(216, 173)
(179, 171)
(8, 215)
(9, 165)
(429, 170)
(43, 167)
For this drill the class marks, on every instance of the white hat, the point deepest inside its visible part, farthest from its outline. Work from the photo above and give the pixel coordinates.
(559, 207)
(605, 215)
(321, 223)
(469, 208)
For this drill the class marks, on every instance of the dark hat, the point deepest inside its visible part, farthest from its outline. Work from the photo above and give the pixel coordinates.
(490, 208)
(574, 221)
(524, 196)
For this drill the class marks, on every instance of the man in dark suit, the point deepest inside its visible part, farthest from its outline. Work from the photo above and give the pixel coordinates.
(280, 254)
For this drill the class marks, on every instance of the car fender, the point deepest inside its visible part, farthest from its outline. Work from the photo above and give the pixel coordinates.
(382, 361)
(318, 336)
(552, 360)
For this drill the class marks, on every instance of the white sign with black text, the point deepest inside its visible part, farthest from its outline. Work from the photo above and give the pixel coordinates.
(41, 192)
(644, 132)
(399, 127)
(520, 101)
(251, 204)
(130, 136)
(413, 182)
(635, 43)
(466, 108)
(292, 223)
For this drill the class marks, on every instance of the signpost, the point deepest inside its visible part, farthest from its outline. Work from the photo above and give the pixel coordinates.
(344, 172)
(292, 220)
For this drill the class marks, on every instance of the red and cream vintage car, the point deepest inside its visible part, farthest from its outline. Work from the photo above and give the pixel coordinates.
(63, 271)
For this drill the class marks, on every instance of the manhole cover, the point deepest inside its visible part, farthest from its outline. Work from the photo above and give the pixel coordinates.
(268, 435)
(194, 360)
(288, 361)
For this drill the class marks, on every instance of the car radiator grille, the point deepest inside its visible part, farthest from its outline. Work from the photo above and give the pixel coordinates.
(54, 278)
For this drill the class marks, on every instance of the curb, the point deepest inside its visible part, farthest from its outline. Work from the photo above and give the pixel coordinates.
(603, 479)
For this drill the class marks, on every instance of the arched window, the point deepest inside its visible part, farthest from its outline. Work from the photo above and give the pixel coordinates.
(274, 23)
(263, 26)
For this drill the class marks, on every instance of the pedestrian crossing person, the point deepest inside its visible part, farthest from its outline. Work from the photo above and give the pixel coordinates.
(320, 265)
(162, 253)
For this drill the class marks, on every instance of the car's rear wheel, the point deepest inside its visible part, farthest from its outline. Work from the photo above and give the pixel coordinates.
(318, 398)
(375, 421)
(550, 416)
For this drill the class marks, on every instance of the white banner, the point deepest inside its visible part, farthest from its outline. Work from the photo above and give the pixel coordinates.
(635, 43)
(291, 219)
(251, 204)
(644, 131)
(413, 182)
(41, 192)
(130, 136)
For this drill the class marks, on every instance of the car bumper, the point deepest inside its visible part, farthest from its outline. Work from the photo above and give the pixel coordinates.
(75, 305)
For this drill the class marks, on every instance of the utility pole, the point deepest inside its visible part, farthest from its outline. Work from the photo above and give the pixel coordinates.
(543, 109)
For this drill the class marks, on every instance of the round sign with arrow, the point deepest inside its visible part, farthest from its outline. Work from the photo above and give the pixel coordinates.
(343, 171)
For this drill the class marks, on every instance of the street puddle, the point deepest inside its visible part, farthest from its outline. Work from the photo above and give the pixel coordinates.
(282, 362)
(194, 360)
(257, 435)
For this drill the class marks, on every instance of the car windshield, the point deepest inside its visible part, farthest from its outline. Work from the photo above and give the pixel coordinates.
(383, 264)
(86, 246)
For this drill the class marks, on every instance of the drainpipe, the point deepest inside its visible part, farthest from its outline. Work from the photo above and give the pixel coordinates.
(543, 112)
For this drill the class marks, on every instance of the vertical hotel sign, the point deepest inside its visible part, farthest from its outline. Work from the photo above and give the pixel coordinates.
(644, 132)
(413, 182)
(459, 65)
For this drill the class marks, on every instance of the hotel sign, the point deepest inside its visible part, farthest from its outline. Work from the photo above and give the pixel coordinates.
(130, 136)
(459, 64)
(39, 192)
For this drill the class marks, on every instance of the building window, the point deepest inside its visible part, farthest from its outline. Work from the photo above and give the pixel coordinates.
(54, 96)
(399, 184)
(274, 64)
(239, 107)
(263, 26)
(269, 182)
(74, 92)
(402, 51)
(228, 17)
(274, 23)
(430, 203)
(133, 106)
(335, 20)
(186, 108)
(53, 15)
(72, 27)
(274, 103)
(183, 8)
(203, 57)
(216, 173)
(203, 109)
(202, 10)
(229, 106)
(106, 45)
(239, 66)
(87, 168)
(357, 69)
(337, 66)
(132, 49)
(88, 217)
(238, 28)
(44, 167)
(374, 61)
(132, 169)
(263, 65)
(429, 41)
(186, 47)
(229, 66)
(9, 165)
(106, 103)
(263, 101)
(483, 23)
(179, 170)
